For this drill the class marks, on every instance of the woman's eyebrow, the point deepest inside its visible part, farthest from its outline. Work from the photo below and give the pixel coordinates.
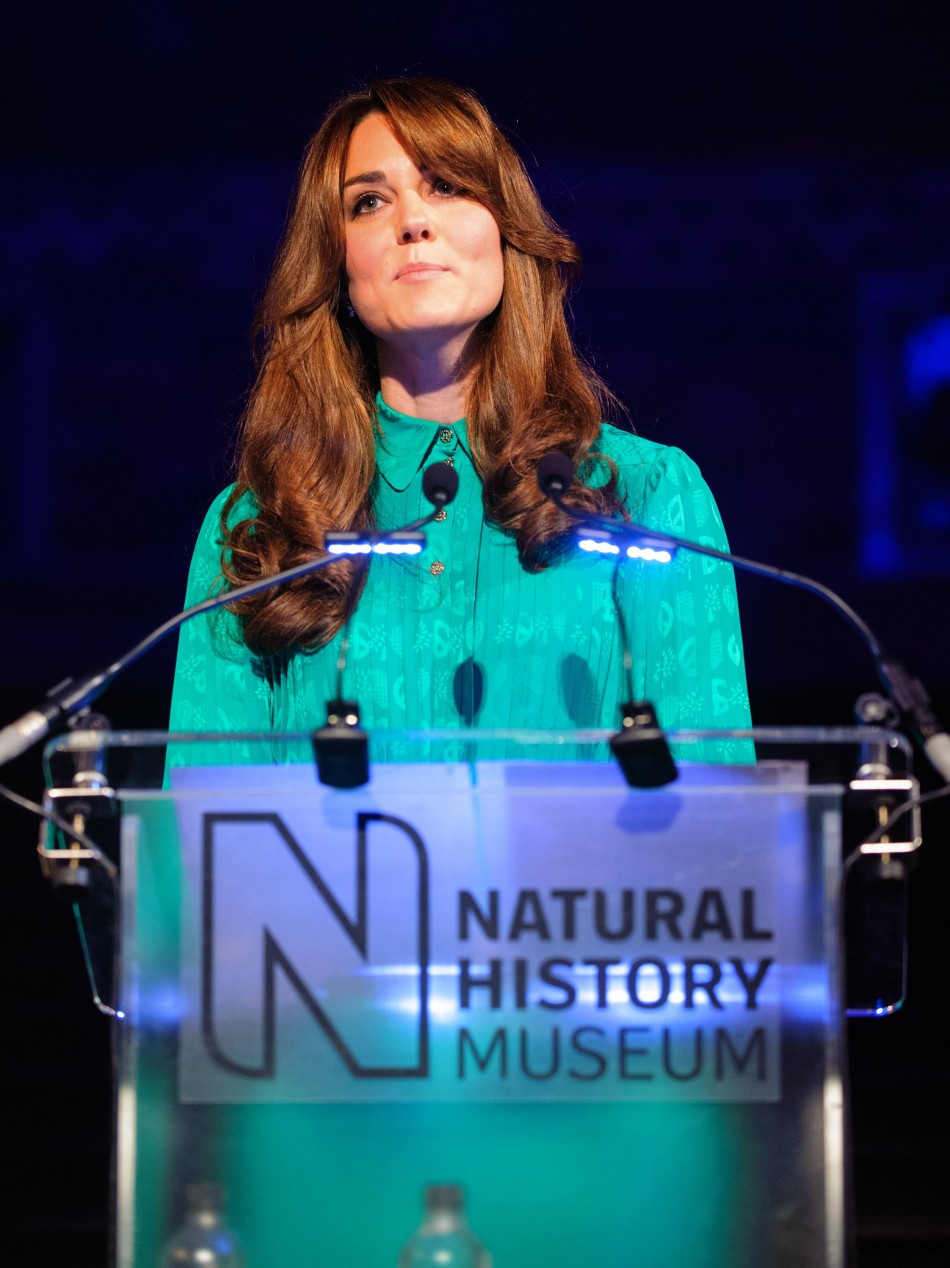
(365, 178)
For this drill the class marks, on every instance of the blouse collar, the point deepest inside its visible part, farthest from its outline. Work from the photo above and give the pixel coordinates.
(405, 443)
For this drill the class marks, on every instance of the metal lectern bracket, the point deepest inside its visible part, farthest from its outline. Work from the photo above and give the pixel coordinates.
(71, 860)
(879, 797)
(874, 910)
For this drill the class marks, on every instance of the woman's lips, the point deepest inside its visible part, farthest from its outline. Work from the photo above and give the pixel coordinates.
(420, 271)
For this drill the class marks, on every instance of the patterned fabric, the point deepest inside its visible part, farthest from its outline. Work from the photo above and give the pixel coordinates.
(461, 635)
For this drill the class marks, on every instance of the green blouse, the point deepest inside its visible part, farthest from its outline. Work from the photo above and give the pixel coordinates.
(462, 636)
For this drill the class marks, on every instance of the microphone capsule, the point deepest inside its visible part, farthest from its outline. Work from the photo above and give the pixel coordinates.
(555, 474)
(440, 483)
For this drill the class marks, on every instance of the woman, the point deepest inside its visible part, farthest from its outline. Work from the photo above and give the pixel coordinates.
(416, 314)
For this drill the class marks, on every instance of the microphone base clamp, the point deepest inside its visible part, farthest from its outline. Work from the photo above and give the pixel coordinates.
(341, 748)
(641, 749)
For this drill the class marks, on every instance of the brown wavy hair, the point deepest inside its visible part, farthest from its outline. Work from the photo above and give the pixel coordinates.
(306, 447)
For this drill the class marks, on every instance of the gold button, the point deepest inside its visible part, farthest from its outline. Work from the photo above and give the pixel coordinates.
(440, 515)
(449, 461)
(445, 435)
(437, 567)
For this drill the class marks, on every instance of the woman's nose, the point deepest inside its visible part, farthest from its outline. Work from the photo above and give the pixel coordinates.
(416, 223)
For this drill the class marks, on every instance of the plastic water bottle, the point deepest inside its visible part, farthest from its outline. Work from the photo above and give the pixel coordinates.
(444, 1239)
(204, 1238)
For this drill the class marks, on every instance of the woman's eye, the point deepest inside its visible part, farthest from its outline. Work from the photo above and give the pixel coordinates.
(365, 204)
(444, 188)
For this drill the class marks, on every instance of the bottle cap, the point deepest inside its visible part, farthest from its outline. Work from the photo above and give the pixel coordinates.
(205, 1196)
(444, 1197)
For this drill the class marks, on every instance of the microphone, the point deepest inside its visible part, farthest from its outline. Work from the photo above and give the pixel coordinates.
(555, 475)
(904, 691)
(341, 748)
(640, 746)
(439, 483)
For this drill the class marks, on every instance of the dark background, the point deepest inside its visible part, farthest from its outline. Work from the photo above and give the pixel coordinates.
(762, 196)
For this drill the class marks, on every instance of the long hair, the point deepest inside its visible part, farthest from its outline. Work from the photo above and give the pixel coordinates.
(306, 449)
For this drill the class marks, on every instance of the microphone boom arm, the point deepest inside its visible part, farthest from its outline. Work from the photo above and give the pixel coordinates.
(75, 694)
(907, 693)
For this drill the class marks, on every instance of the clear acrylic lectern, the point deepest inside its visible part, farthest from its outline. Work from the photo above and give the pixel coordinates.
(611, 1015)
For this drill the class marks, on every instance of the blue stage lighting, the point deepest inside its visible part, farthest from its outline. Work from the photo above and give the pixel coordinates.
(405, 542)
(635, 543)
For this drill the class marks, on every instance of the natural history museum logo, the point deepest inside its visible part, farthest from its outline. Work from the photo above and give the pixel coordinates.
(486, 942)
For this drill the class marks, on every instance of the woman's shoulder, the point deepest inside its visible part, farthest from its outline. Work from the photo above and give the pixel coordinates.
(205, 571)
(244, 507)
(206, 559)
(642, 464)
(662, 487)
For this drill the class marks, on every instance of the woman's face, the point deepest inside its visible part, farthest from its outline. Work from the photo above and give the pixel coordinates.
(424, 264)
